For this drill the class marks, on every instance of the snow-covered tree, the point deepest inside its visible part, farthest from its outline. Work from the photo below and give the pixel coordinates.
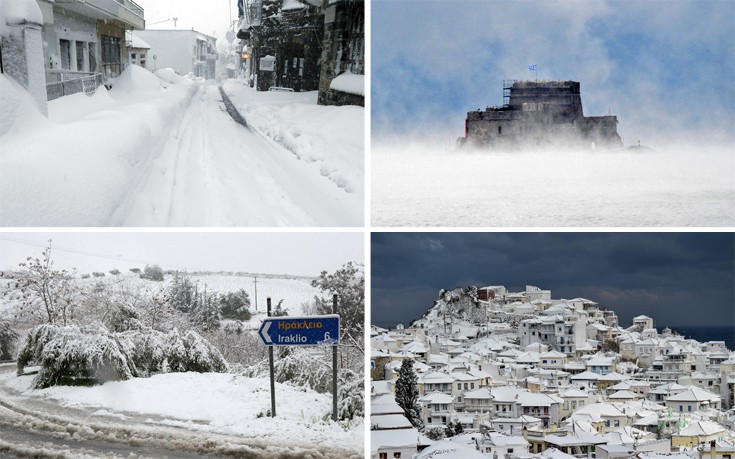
(8, 338)
(206, 313)
(235, 305)
(182, 292)
(279, 311)
(407, 393)
(152, 272)
(348, 283)
(46, 294)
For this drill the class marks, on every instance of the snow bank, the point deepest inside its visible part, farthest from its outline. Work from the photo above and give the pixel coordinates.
(350, 83)
(81, 172)
(330, 137)
(18, 110)
(136, 78)
(220, 403)
(170, 76)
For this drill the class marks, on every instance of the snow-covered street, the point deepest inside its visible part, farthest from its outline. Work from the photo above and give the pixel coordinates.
(213, 171)
(163, 151)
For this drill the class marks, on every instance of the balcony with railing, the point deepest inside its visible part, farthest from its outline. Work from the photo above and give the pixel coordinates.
(126, 11)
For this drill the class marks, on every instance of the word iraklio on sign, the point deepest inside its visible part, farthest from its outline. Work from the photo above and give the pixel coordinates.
(300, 331)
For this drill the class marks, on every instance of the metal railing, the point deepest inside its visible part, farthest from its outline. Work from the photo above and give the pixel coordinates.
(131, 6)
(66, 82)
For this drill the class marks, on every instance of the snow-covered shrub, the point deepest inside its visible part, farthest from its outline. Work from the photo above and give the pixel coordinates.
(301, 369)
(72, 356)
(146, 351)
(351, 395)
(79, 357)
(8, 338)
(36, 340)
(175, 352)
(201, 356)
(124, 317)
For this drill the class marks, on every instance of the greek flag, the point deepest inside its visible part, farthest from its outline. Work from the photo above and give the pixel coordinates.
(532, 67)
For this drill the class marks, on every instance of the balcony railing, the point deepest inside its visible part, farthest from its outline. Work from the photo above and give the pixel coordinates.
(61, 83)
(132, 6)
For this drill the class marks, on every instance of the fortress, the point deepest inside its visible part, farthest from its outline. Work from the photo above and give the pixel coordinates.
(539, 113)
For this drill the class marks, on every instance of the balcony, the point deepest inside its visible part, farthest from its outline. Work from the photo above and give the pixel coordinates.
(61, 83)
(126, 11)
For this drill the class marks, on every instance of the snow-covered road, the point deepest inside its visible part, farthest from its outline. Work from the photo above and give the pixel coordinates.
(213, 171)
(41, 427)
(160, 150)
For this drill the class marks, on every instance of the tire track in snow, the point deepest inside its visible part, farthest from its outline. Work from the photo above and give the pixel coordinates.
(35, 432)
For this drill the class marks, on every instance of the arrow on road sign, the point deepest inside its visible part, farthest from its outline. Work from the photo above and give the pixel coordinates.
(300, 331)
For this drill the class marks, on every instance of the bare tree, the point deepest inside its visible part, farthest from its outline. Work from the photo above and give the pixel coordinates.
(46, 294)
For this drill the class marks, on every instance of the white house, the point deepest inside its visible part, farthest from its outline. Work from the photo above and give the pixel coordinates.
(185, 51)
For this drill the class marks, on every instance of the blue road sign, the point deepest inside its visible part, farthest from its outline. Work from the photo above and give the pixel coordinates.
(300, 331)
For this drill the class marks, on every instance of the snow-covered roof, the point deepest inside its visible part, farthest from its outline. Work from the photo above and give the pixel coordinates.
(350, 83)
(389, 421)
(14, 12)
(446, 449)
(138, 42)
(437, 398)
(701, 428)
(623, 395)
(585, 376)
(394, 438)
(693, 394)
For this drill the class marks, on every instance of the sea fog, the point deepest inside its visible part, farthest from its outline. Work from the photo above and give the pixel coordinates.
(422, 184)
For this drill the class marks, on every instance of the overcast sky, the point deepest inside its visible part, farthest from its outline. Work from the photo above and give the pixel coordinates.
(676, 278)
(211, 17)
(270, 253)
(665, 68)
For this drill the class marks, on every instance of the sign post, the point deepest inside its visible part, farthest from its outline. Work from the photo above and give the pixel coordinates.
(270, 361)
(334, 366)
(301, 331)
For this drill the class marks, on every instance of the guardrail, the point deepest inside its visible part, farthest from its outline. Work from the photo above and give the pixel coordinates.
(64, 83)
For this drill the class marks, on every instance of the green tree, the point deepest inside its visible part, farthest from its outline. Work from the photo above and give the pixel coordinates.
(407, 393)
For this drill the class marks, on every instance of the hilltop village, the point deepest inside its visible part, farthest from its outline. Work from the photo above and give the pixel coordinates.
(488, 373)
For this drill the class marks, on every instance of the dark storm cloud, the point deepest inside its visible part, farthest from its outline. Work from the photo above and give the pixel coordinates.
(677, 278)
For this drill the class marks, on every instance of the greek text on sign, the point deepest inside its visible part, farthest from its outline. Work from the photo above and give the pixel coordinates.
(300, 331)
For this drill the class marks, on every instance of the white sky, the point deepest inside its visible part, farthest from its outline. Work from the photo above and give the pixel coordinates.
(210, 17)
(269, 253)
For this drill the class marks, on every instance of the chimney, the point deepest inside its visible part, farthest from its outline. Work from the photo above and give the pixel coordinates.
(713, 449)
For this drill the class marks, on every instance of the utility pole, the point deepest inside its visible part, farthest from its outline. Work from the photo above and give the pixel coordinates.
(256, 292)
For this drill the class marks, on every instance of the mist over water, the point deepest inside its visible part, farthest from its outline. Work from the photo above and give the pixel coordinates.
(426, 185)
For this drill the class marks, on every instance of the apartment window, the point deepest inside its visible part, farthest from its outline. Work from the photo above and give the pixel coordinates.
(465, 386)
(459, 386)
(689, 408)
(472, 385)
(617, 423)
(681, 408)
(383, 455)
(111, 56)
(607, 423)
(80, 55)
(92, 57)
(396, 454)
(65, 50)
